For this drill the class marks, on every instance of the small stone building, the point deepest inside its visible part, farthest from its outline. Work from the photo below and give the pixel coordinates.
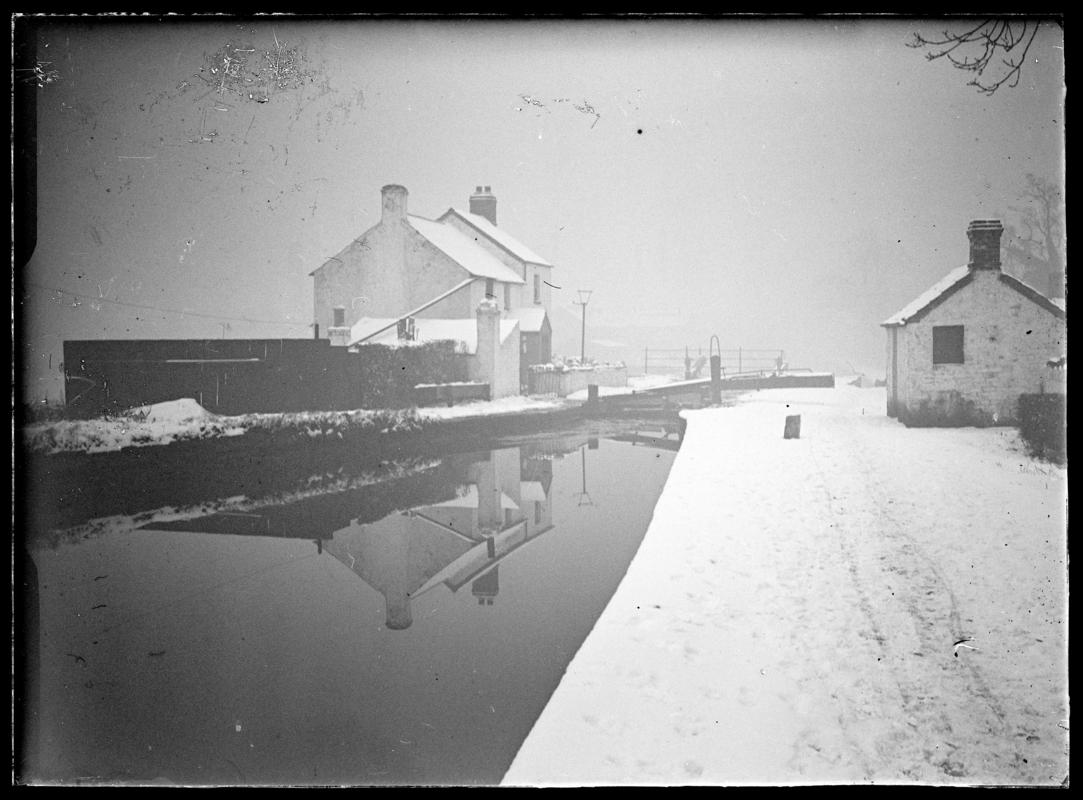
(964, 351)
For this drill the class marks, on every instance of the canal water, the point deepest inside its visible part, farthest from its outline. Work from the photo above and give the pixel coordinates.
(403, 625)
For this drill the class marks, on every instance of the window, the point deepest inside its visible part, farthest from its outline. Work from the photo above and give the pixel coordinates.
(340, 317)
(537, 289)
(507, 295)
(947, 344)
(490, 289)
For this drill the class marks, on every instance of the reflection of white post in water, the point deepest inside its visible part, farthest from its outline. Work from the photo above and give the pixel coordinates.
(395, 562)
(399, 616)
(490, 509)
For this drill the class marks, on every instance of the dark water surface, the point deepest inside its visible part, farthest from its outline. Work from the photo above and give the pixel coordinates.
(401, 626)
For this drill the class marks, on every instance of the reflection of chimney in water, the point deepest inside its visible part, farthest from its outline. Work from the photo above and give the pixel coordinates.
(486, 587)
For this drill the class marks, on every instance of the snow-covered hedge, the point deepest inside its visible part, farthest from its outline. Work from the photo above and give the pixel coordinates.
(1042, 425)
(185, 419)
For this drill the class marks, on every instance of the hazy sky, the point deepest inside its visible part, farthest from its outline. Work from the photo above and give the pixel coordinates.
(780, 184)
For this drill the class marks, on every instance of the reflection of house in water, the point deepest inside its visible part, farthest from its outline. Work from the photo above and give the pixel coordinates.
(478, 509)
(503, 504)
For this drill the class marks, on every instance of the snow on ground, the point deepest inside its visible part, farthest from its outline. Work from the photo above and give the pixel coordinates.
(156, 424)
(635, 383)
(504, 405)
(868, 603)
(176, 420)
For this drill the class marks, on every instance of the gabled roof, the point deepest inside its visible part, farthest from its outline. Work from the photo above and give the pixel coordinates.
(460, 249)
(463, 330)
(951, 283)
(509, 243)
(470, 500)
(531, 320)
(934, 294)
(1033, 294)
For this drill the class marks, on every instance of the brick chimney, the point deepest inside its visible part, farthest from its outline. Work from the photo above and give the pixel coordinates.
(984, 235)
(394, 203)
(483, 203)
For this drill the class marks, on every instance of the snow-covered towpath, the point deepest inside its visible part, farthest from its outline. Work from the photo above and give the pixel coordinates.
(868, 603)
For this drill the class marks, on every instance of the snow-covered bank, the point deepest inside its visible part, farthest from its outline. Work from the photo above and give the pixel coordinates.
(518, 404)
(636, 383)
(868, 603)
(177, 420)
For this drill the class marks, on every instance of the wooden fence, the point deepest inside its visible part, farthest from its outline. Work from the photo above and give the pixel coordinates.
(236, 376)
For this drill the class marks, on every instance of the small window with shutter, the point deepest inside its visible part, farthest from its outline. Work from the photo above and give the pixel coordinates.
(537, 289)
(947, 344)
(339, 317)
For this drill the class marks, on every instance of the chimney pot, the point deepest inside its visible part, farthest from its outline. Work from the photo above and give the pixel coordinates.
(483, 203)
(984, 235)
(394, 203)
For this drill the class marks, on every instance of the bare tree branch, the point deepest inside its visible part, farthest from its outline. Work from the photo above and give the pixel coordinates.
(979, 47)
(1034, 249)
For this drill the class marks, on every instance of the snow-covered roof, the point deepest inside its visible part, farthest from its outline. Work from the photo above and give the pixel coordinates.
(463, 330)
(957, 277)
(530, 319)
(462, 250)
(470, 500)
(509, 243)
(532, 492)
(933, 293)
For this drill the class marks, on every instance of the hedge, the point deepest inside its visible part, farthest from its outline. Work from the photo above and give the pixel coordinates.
(1043, 425)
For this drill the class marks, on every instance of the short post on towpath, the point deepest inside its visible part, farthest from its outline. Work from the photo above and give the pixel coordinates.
(793, 427)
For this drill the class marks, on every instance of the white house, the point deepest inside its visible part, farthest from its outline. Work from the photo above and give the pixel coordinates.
(964, 351)
(406, 266)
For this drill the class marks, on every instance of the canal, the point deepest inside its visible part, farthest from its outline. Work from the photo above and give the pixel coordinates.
(405, 623)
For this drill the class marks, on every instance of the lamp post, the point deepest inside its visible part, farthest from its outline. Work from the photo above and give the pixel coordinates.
(584, 298)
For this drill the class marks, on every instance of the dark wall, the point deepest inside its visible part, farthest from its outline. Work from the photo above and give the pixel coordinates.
(535, 348)
(237, 376)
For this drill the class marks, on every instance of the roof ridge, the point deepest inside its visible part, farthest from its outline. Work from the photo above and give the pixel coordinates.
(956, 279)
(527, 255)
(465, 252)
